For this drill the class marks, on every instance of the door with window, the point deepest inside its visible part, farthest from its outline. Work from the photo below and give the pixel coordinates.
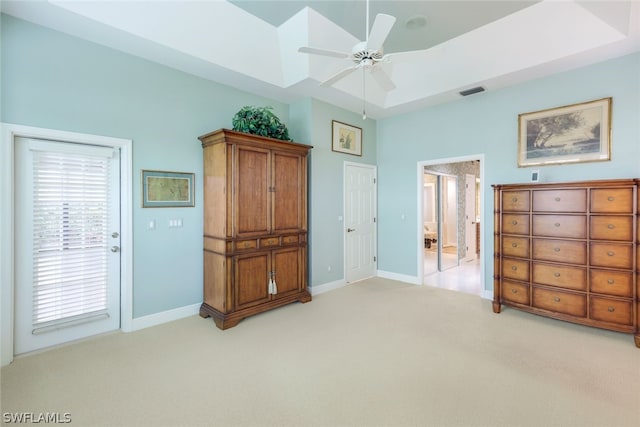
(67, 242)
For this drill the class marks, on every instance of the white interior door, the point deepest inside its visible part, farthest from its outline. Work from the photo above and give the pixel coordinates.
(67, 242)
(360, 221)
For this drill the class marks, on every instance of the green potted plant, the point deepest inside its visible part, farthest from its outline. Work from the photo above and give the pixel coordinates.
(260, 121)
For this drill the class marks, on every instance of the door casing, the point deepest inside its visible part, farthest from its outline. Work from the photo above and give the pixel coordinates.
(419, 225)
(9, 133)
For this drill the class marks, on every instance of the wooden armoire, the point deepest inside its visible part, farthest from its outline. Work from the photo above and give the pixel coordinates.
(255, 225)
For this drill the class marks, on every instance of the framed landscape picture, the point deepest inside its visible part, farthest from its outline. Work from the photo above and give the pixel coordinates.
(161, 189)
(570, 134)
(346, 138)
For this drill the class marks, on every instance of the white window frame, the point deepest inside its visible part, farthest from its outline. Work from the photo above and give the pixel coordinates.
(9, 133)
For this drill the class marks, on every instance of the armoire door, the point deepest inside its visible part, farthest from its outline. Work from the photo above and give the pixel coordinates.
(251, 191)
(286, 269)
(251, 279)
(288, 176)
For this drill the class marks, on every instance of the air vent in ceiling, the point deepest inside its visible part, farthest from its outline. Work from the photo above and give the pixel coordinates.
(472, 91)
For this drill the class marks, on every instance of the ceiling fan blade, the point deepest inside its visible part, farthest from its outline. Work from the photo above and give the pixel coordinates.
(380, 30)
(325, 52)
(342, 74)
(382, 78)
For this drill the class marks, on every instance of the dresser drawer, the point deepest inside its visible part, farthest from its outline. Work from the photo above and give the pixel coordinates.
(574, 226)
(564, 251)
(614, 255)
(560, 200)
(611, 227)
(246, 244)
(610, 310)
(515, 269)
(611, 282)
(287, 240)
(269, 242)
(612, 200)
(560, 276)
(515, 292)
(515, 224)
(515, 201)
(515, 246)
(560, 302)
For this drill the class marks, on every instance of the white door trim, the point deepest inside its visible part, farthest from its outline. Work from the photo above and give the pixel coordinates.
(419, 225)
(344, 212)
(9, 132)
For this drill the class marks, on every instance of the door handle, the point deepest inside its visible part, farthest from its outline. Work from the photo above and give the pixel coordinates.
(115, 249)
(349, 230)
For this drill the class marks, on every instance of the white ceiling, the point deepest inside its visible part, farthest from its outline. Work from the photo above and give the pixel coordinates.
(252, 45)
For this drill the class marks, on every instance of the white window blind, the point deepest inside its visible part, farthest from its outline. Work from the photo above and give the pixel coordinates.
(70, 242)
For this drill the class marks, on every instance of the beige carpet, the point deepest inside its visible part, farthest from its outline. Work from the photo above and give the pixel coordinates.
(376, 353)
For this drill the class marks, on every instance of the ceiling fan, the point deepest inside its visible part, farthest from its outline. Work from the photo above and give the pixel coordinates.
(365, 55)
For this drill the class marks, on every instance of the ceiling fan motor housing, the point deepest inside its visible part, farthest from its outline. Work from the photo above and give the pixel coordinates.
(360, 54)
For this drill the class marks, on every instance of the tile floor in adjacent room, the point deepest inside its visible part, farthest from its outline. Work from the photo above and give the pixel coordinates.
(463, 278)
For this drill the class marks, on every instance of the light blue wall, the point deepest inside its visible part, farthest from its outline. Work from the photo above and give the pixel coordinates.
(56, 81)
(313, 124)
(487, 124)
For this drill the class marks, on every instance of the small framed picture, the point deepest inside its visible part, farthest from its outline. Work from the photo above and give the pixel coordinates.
(162, 189)
(346, 138)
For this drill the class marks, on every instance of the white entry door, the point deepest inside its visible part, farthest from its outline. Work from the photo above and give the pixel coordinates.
(360, 221)
(67, 242)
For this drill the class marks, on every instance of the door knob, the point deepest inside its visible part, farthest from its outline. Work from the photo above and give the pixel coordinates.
(115, 235)
(115, 249)
(349, 230)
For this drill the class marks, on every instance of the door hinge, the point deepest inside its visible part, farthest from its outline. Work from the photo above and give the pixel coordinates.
(374, 259)
(374, 180)
(374, 219)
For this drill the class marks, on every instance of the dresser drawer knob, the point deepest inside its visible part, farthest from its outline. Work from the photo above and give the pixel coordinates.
(514, 222)
(611, 226)
(556, 249)
(611, 198)
(246, 244)
(610, 281)
(514, 268)
(557, 224)
(557, 199)
(611, 253)
(515, 199)
(556, 299)
(556, 274)
(514, 291)
(611, 309)
(514, 245)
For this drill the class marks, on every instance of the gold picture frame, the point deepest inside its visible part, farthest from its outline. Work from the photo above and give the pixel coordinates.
(346, 138)
(570, 134)
(164, 189)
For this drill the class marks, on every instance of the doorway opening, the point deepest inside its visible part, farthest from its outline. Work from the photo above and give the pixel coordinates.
(450, 226)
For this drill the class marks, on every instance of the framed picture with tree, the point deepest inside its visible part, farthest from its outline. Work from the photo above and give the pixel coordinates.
(569, 134)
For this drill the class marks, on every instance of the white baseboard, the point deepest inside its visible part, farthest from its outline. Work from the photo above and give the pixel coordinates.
(326, 287)
(399, 277)
(164, 317)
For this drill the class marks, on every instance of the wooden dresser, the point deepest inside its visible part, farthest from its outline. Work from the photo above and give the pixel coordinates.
(255, 225)
(570, 251)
